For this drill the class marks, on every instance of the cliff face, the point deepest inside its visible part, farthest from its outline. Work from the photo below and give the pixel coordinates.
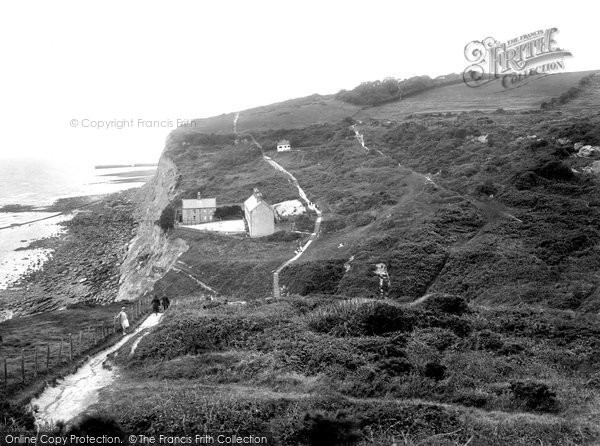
(151, 253)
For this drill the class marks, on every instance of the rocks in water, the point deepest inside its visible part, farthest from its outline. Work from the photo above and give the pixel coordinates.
(85, 263)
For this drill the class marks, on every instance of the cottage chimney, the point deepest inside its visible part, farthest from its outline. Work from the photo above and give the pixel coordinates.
(199, 195)
(257, 194)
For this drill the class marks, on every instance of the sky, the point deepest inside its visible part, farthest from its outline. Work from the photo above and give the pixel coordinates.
(68, 66)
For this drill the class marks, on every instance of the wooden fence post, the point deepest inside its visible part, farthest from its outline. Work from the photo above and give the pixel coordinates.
(23, 365)
(47, 358)
(95, 336)
(103, 329)
(60, 352)
(114, 326)
(35, 362)
(70, 347)
(80, 341)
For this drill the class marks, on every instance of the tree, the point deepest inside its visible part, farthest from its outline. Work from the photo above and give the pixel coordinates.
(167, 218)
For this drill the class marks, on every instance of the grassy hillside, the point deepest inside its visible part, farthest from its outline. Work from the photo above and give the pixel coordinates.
(482, 331)
(488, 206)
(318, 109)
(321, 371)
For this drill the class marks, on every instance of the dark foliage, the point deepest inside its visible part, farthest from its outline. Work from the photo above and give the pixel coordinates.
(167, 218)
(282, 236)
(15, 415)
(390, 89)
(534, 395)
(434, 371)
(446, 303)
(96, 426)
(320, 277)
(555, 170)
(229, 212)
(324, 429)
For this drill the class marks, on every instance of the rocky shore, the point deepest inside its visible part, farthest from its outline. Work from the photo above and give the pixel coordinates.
(86, 259)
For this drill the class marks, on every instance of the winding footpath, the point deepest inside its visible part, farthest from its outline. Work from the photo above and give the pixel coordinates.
(309, 204)
(75, 393)
(313, 236)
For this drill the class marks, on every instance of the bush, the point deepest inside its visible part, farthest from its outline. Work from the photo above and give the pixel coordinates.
(96, 426)
(446, 303)
(229, 212)
(555, 170)
(167, 218)
(434, 371)
(15, 416)
(526, 180)
(317, 277)
(395, 366)
(381, 318)
(282, 236)
(356, 319)
(324, 429)
(534, 395)
(487, 188)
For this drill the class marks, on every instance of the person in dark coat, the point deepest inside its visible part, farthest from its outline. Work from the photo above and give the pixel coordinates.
(165, 303)
(156, 305)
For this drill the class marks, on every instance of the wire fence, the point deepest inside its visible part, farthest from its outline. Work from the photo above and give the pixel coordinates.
(41, 359)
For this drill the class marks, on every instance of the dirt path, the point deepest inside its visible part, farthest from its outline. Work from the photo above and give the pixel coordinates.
(309, 204)
(185, 269)
(492, 209)
(75, 393)
(313, 236)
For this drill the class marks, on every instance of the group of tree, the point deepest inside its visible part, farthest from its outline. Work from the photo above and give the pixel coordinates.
(391, 89)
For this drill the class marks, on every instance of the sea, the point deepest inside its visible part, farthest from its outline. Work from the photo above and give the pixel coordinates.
(39, 183)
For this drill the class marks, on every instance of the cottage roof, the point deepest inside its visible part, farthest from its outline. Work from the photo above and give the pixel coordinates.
(283, 142)
(200, 203)
(252, 203)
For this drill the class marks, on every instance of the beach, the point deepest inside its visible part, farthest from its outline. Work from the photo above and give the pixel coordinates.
(56, 249)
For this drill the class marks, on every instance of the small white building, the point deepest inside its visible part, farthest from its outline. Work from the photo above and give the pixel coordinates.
(259, 215)
(284, 146)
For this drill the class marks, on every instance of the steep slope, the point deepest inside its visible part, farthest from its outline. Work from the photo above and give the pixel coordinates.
(469, 243)
(319, 109)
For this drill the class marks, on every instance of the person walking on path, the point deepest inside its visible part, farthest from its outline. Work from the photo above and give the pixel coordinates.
(122, 317)
(155, 305)
(165, 303)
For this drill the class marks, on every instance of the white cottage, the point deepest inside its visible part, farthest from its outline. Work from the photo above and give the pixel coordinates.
(284, 146)
(259, 215)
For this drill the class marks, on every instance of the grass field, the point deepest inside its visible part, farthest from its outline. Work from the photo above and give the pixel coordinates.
(318, 109)
(435, 374)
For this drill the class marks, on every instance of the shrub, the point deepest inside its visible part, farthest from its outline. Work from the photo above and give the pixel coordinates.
(282, 236)
(381, 318)
(555, 170)
(15, 416)
(355, 319)
(434, 370)
(229, 212)
(471, 399)
(395, 366)
(534, 395)
(487, 188)
(446, 303)
(526, 180)
(324, 429)
(167, 218)
(96, 426)
(320, 277)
